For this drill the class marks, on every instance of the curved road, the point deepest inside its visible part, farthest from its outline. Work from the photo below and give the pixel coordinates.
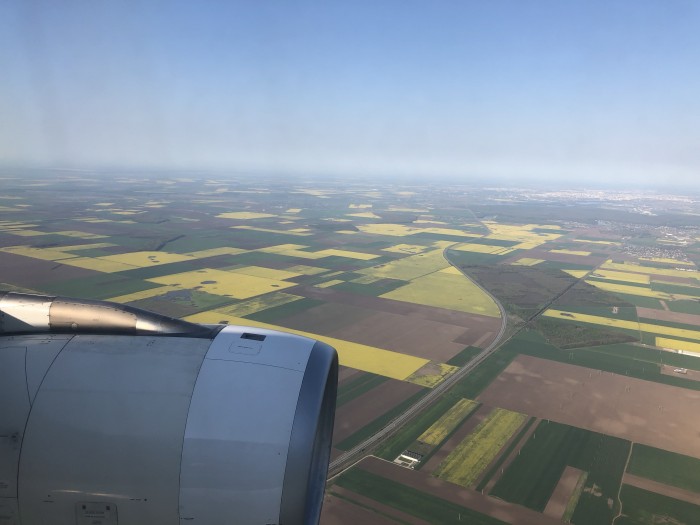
(355, 454)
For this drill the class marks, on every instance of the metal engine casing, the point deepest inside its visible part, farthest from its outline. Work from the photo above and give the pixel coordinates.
(225, 425)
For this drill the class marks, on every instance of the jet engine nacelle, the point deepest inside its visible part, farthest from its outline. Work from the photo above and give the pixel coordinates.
(111, 415)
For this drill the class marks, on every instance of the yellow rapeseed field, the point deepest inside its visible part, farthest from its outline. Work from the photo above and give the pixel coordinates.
(446, 290)
(527, 261)
(213, 252)
(271, 230)
(401, 230)
(478, 248)
(354, 355)
(622, 323)
(622, 276)
(306, 270)
(347, 253)
(25, 233)
(80, 235)
(364, 215)
(410, 249)
(577, 273)
(97, 264)
(145, 259)
(432, 374)
(439, 430)
(328, 284)
(629, 267)
(676, 344)
(144, 294)
(219, 282)
(245, 215)
(641, 291)
(666, 260)
(258, 304)
(570, 252)
(596, 242)
(409, 267)
(45, 254)
(468, 460)
(267, 273)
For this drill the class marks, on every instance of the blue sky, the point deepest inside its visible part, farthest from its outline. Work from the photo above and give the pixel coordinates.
(579, 91)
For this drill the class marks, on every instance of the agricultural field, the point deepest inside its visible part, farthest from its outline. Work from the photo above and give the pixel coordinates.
(406, 282)
(468, 460)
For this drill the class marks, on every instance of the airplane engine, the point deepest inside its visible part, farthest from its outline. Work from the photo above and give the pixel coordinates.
(113, 415)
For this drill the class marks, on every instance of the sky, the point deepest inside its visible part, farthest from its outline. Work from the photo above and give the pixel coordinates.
(568, 91)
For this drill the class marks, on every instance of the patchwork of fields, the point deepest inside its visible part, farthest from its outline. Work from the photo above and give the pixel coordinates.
(603, 363)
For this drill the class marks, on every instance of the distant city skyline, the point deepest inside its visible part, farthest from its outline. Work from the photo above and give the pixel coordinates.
(580, 93)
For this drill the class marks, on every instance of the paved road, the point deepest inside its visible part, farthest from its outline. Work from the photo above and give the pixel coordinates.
(365, 448)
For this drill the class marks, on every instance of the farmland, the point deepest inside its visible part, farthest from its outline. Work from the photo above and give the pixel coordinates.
(473, 454)
(405, 282)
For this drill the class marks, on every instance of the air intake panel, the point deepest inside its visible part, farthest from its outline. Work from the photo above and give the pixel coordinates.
(158, 421)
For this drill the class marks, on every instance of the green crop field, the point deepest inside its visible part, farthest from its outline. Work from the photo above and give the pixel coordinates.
(357, 387)
(624, 359)
(465, 356)
(414, 502)
(641, 507)
(534, 473)
(665, 467)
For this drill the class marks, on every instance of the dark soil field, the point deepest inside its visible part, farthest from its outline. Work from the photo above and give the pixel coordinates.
(633, 409)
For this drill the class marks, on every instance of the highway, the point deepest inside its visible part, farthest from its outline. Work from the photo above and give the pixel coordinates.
(355, 454)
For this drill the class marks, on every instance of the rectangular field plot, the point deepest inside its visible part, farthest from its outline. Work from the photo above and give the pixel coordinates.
(609, 265)
(353, 355)
(614, 275)
(439, 430)
(641, 506)
(218, 282)
(665, 467)
(446, 290)
(467, 461)
(533, 475)
(642, 411)
(624, 324)
(410, 267)
(410, 500)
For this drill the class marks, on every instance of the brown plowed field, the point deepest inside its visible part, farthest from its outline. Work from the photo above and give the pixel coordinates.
(556, 506)
(326, 318)
(32, 273)
(337, 511)
(665, 315)
(658, 415)
(513, 514)
(476, 338)
(661, 488)
(346, 374)
(431, 313)
(408, 335)
(355, 414)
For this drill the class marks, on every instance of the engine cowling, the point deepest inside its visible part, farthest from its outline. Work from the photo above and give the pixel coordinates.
(157, 420)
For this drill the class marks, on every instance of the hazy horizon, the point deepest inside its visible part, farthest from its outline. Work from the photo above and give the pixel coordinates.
(579, 94)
